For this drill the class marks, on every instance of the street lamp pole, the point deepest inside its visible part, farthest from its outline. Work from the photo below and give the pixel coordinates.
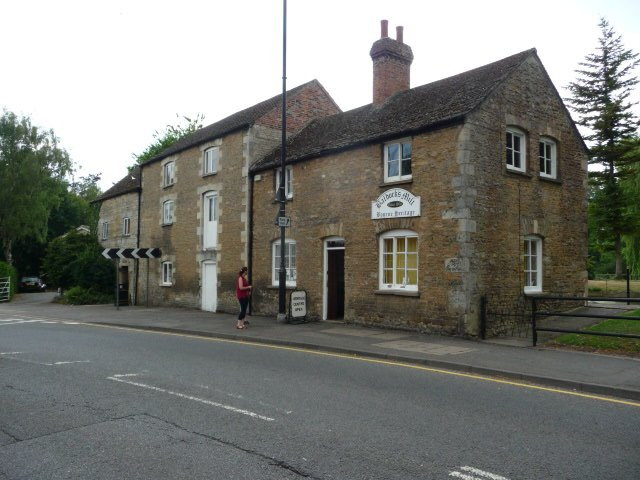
(282, 316)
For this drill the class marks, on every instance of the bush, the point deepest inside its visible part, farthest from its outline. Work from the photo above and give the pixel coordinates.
(85, 296)
(7, 270)
(75, 260)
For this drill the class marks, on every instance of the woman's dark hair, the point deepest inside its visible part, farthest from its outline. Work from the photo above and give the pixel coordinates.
(243, 270)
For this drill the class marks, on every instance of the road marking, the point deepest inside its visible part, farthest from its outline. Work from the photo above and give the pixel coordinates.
(118, 378)
(9, 353)
(477, 474)
(381, 362)
(68, 362)
(16, 322)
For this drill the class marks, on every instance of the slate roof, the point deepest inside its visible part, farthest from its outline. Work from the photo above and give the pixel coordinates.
(429, 106)
(130, 183)
(233, 122)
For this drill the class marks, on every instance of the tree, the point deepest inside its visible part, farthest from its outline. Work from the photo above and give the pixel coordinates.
(163, 140)
(630, 185)
(600, 96)
(32, 167)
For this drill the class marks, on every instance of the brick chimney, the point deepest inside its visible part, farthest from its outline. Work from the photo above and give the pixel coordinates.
(391, 64)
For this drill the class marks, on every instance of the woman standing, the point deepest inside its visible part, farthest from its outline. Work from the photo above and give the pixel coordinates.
(243, 290)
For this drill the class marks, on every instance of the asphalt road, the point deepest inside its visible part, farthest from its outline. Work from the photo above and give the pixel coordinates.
(92, 402)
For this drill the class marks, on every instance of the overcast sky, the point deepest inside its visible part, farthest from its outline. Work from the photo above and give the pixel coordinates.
(106, 75)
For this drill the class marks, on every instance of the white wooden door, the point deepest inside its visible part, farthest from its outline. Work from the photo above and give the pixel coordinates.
(209, 287)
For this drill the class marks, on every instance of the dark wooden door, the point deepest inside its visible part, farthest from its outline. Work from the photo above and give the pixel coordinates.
(335, 284)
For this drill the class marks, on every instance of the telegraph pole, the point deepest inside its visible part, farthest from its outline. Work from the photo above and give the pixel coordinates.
(282, 198)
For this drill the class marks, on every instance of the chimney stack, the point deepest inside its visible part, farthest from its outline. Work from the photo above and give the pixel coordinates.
(391, 64)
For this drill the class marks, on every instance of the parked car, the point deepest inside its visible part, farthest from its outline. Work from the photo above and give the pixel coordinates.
(32, 284)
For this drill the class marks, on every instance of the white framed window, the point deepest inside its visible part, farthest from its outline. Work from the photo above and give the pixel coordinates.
(105, 230)
(209, 220)
(126, 226)
(289, 262)
(547, 156)
(516, 150)
(168, 174)
(167, 273)
(288, 181)
(399, 260)
(211, 158)
(397, 161)
(532, 264)
(167, 212)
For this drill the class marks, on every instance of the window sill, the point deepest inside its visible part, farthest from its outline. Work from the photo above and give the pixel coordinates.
(167, 224)
(166, 284)
(168, 185)
(399, 293)
(276, 287)
(407, 181)
(551, 180)
(517, 173)
(533, 293)
(209, 174)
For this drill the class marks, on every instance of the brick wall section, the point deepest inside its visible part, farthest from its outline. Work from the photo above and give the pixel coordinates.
(506, 206)
(390, 75)
(332, 196)
(310, 102)
(113, 210)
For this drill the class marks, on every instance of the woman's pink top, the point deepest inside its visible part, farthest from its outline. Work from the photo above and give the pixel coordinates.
(242, 293)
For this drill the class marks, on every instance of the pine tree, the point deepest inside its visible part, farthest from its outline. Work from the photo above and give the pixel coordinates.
(600, 96)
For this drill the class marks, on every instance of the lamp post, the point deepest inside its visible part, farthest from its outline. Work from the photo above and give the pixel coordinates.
(282, 198)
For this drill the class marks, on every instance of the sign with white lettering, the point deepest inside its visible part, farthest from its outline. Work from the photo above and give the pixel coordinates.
(298, 304)
(284, 221)
(395, 203)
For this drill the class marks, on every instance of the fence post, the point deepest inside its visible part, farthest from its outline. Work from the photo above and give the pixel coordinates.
(534, 334)
(483, 317)
(628, 287)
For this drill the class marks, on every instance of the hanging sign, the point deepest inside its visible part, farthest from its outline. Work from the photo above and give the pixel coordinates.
(395, 203)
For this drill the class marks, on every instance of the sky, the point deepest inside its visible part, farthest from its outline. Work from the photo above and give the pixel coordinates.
(106, 75)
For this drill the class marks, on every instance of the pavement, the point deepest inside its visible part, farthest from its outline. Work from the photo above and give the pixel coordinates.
(510, 359)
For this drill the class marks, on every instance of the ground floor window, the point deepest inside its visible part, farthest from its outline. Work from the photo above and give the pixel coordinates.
(289, 262)
(167, 273)
(399, 260)
(532, 264)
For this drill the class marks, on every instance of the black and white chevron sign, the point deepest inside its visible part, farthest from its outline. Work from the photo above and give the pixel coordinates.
(114, 253)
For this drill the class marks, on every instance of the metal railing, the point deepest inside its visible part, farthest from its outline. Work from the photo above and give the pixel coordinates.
(535, 313)
(5, 289)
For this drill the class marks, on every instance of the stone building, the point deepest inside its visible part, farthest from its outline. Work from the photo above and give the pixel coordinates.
(195, 198)
(406, 211)
(118, 226)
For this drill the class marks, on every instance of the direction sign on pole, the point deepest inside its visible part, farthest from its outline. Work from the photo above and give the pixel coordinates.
(284, 221)
(118, 253)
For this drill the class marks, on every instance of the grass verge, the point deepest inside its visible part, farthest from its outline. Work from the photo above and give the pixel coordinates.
(614, 345)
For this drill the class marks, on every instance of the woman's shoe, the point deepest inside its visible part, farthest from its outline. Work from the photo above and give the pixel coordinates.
(240, 327)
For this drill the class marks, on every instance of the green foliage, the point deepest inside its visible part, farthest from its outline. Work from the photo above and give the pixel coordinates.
(76, 260)
(32, 165)
(600, 96)
(163, 140)
(85, 296)
(7, 270)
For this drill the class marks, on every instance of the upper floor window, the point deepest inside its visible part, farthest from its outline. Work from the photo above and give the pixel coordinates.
(547, 155)
(167, 273)
(289, 262)
(397, 161)
(288, 181)
(167, 212)
(126, 226)
(168, 173)
(532, 264)
(516, 150)
(211, 157)
(399, 260)
(210, 220)
(105, 230)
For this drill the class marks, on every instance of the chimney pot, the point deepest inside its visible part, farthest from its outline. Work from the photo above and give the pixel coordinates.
(399, 31)
(384, 28)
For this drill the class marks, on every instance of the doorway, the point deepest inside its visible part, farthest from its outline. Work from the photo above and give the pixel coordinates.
(123, 285)
(209, 294)
(334, 279)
